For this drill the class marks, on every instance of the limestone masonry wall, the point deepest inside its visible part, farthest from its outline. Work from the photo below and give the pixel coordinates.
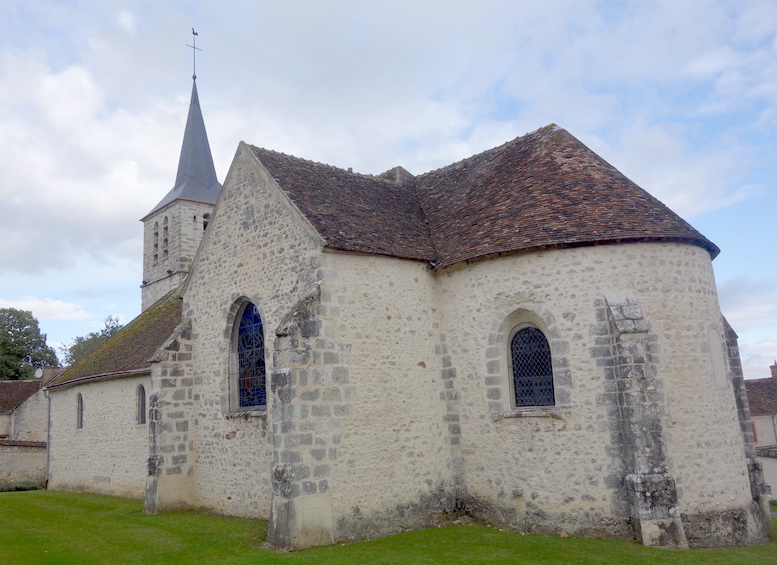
(109, 455)
(389, 389)
(381, 363)
(29, 421)
(22, 461)
(171, 460)
(565, 471)
(262, 252)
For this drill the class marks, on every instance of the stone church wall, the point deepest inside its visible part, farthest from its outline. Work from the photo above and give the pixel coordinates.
(171, 461)
(392, 469)
(564, 470)
(262, 251)
(389, 388)
(109, 454)
(361, 427)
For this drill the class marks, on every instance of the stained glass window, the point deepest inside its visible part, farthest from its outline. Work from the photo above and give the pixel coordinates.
(252, 376)
(532, 369)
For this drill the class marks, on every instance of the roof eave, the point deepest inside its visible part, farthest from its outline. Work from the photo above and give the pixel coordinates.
(101, 377)
(712, 249)
(166, 206)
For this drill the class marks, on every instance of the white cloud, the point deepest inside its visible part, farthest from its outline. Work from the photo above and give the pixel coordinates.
(680, 96)
(72, 167)
(690, 181)
(750, 305)
(126, 21)
(757, 356)
(45, 309)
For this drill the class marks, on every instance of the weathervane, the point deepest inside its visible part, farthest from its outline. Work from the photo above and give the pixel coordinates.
(194, 53)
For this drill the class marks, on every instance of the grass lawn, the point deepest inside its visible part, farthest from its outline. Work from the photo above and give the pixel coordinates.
(62, 528)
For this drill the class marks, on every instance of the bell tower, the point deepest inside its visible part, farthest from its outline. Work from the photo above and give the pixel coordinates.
(173, 229)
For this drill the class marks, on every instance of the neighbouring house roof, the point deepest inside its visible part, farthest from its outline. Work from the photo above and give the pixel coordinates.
(770, 451)
(762, 396)
(131, 349)
(542, 190)
(13, 393)
(196, 179)
(21, 443)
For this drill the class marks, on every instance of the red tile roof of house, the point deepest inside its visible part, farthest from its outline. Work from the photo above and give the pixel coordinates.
(762, 395)
(13, 393)
(543, 190)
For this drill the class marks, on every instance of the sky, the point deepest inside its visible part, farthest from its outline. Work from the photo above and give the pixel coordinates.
(680, 95)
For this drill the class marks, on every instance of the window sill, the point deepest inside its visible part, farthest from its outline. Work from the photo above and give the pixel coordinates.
(245, 414)
(553, 413)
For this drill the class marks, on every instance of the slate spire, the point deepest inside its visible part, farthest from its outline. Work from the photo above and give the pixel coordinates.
(196, 179)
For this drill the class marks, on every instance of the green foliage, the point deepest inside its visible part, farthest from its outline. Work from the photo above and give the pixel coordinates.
(21, 485)
(84, 345)
(22, 347)
(63, 528)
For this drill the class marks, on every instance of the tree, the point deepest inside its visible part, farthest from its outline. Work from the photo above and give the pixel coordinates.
(22, 347)
(84, 345)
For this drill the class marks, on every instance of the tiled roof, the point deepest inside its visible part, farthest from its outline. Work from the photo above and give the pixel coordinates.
(352, 211)
(13, 393)
(762, 395)
(196, 179)
(769, 451)
(543, 190)
(21, 443)
(131, 349)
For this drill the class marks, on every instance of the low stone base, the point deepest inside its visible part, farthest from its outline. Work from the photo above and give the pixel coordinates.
(655, 513)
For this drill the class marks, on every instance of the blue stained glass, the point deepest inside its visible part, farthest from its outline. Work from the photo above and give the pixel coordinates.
(532, 369)
(252, 375)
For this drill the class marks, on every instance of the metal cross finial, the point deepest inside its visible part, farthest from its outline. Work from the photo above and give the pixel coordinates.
(194, 53)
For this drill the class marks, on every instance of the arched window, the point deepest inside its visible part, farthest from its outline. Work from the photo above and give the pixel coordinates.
(532, 368)
(141, 405)
(79, 411)
(205, 220)
(251, 385)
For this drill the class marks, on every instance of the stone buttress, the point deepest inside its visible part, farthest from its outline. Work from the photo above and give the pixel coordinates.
(303, 441)
(758, 488)
(650, 488)
(169, 485)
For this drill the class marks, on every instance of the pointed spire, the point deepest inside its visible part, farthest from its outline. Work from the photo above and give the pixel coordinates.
(196, 178)
(196, 162)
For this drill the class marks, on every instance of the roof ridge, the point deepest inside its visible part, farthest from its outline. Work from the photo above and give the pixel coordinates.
(498, 149)
(327, 165)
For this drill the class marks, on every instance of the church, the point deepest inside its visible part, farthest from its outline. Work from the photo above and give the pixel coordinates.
(524, 337)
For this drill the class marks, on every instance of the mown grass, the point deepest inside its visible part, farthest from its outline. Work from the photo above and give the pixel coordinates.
(41, 527)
